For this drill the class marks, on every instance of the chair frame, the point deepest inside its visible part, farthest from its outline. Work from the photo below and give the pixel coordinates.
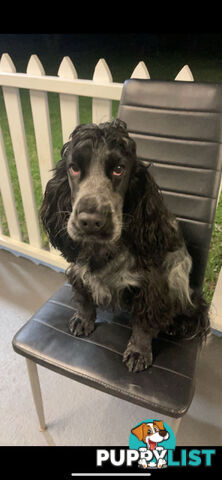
(174, 423)
(32, 365)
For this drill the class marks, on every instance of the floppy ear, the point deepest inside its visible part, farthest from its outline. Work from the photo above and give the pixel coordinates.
(138, 431)
(150, 228)
(159, 424)
(56, 208)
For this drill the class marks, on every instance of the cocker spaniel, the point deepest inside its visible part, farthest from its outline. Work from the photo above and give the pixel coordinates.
(103, 210)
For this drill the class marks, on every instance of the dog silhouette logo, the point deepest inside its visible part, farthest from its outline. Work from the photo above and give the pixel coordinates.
(153, 439)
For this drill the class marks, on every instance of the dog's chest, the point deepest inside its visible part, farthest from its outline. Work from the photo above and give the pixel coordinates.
(108, 283)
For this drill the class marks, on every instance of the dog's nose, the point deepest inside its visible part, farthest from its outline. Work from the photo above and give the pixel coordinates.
(90, 222)
(94, 216)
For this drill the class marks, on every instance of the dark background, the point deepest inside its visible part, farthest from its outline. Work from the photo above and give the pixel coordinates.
(164, 54)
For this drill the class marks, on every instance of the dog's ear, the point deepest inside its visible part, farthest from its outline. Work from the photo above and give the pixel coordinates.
(56, 208)
(150, 229)
(159, 424)
(139, 431)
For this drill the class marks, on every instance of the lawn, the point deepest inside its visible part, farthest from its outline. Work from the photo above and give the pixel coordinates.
(215, 257)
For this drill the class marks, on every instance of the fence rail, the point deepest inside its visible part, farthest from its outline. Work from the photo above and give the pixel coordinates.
(103, 91)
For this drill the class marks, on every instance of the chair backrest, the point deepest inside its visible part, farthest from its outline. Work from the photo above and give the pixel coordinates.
(177, 127)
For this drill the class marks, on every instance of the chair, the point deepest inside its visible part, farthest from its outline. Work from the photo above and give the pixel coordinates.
(177, 127)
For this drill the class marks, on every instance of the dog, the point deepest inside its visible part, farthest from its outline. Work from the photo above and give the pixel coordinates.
(105, 213)
(151, 434)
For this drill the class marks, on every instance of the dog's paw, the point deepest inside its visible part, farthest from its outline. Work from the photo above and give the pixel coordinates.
(137, 361)
(80, 327)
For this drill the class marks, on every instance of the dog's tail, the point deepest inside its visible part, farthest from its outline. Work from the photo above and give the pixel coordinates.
(194, 322)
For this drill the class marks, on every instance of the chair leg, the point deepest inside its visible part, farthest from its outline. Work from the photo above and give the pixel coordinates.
(36, 392)
(174, 423)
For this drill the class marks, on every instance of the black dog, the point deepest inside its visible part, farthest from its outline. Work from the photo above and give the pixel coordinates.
(104, 212)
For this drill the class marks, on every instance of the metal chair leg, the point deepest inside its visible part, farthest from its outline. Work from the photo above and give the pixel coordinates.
(36, 392)
(174, 423)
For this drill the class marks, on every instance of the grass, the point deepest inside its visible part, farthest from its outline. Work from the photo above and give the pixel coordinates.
(214, 263)
(215, 255)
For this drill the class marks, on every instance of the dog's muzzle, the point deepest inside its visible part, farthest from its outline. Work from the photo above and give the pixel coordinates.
(92, 218)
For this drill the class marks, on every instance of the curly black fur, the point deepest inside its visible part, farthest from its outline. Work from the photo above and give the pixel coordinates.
(149, 231)
(55, 211)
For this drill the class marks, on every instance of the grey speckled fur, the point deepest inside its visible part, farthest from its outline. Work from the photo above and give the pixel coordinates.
(178, 266)
(107, 284)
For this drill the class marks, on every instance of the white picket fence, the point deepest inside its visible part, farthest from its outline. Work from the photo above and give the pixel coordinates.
(102, 90)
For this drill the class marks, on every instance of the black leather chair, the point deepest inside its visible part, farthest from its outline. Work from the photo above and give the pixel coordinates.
(177, 127)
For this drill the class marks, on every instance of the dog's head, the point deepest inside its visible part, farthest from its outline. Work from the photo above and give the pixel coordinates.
(99, 160)
(151, 432)
(83, 201)
(100, 191)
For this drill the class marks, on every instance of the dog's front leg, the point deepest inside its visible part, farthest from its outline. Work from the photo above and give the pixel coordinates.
(82, 323)
(138, 354)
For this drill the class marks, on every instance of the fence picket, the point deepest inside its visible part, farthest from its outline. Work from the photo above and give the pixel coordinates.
(69, 104)
(42, 127)
(140, 71)
(185, 74)
(17, 130)
(41, 121)
(8, 194)
(101, 109)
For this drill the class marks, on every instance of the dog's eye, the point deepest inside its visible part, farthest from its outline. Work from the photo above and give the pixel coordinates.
(117, 171)
(156, 429)
(74, 170)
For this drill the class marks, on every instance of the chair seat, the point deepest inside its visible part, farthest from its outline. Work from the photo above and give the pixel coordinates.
(166, 387)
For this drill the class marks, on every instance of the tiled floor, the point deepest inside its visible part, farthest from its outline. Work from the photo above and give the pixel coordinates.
(75, 413)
